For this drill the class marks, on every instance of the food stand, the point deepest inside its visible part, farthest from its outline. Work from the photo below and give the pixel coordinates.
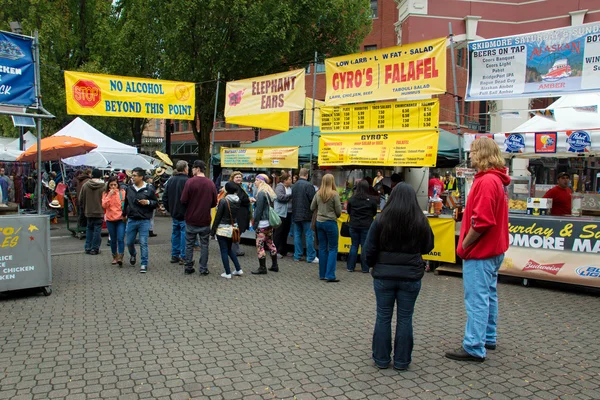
(546, 247)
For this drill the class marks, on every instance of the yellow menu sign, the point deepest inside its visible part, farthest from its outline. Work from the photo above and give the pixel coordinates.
(389, 116)
(255, 157)
(406, 149)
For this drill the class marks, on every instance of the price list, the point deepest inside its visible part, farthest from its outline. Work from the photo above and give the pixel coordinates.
(388, 116)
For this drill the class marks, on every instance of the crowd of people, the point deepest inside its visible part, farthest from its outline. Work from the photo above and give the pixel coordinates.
(392, 241)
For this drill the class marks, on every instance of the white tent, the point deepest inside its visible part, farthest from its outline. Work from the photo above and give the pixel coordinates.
(80, 129)
(29, 140)
(7, 154)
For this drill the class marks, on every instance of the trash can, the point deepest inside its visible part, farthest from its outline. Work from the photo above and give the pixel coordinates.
(25, 261)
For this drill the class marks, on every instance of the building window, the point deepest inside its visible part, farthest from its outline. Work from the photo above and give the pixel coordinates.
(370, 47)
(460, 57)
(157, 124)
(175, 126)
(374, 9)
(308, 69)
(320, 67)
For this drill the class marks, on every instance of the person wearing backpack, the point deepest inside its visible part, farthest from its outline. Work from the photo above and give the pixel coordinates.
(263, 227)
(225, 228)
(113, 202)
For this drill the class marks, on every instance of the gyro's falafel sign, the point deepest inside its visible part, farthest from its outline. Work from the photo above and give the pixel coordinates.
(414, 69)
(121, 96)
(266, 94)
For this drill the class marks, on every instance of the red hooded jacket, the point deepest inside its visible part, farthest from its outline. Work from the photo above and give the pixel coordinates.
(486, 213)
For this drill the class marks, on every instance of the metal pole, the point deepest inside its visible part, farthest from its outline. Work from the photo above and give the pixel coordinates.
(312, 128)
(456, 108)
(212, 143)
(36, 43)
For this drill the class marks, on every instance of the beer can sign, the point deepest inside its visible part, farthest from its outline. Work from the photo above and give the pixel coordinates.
(579, 141)
(514, 143)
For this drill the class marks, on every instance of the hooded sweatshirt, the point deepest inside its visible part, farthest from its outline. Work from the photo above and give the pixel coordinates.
(223, 217)
(487, 214)
(91, 198)
(114, 204)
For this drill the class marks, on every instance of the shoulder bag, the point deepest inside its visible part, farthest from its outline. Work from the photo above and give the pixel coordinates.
(235, 231)
(274, 219)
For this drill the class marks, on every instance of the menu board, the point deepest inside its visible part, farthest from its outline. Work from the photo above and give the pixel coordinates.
(408, 149)
(388, 116)
(256, 157)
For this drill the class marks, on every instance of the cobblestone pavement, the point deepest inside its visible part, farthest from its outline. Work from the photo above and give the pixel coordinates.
(110, 333)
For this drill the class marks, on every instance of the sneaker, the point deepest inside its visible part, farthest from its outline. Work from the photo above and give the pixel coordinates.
(152, 234)
(204, 272)
(226, 275)
(279, 256)
(189, 271)
(94, 252)
(240, 254)
(462, 355)
(88, 251)
(237, 273)
(300, 259)
(182, 261)
(175, 260)
(315, 261)
(132, 260)
(490, 346)
(143, 269)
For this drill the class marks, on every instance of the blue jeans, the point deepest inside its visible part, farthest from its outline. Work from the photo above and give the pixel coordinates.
(404, 294)
(141, 226)
(227, 252)
(116, 232)
(299, 229)
(358, 237)
(480, 278)
(327, 233)
(93, 240)
(178, 239)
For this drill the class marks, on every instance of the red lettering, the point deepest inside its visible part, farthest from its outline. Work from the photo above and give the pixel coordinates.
(369, 76)
(336, 81)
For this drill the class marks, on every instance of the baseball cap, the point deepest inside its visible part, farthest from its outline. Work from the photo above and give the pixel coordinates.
(563, 174)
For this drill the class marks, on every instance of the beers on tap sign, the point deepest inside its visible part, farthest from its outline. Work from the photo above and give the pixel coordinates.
(266, 94)
(120, 96)
(410, 70)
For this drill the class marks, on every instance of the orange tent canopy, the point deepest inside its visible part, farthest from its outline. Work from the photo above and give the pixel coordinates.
(56, 147)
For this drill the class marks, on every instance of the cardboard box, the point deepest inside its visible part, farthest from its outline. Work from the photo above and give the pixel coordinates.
(538, 206)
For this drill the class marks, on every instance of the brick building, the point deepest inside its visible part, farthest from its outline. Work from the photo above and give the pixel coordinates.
(408, 21)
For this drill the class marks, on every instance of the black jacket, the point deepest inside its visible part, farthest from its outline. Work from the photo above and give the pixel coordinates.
(245, 212)
(401, 263)
(172, 194)
(223, 217)
(302, 194)
(361, 212)
(135, 210)
(261, 208)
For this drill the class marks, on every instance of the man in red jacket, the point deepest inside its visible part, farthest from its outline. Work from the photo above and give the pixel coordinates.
(482, 243)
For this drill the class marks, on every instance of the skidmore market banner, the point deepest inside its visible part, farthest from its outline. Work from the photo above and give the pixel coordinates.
(17, 71)
(540, 64)
(414, 69)
(123, 96)
(257, 157)
(266, 94)
(406, 149)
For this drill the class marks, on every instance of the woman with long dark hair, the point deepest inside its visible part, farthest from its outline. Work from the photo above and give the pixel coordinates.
(113, 200)
(362, 208)
(395, 243)
(244, 213)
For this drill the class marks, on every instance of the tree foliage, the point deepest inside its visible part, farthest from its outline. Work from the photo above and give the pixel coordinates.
(186, 40)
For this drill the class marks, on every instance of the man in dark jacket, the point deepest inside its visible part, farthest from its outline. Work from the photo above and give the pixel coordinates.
(170, 199)
(140, 201)
(199, 196)
(91, 202)
(302, 194)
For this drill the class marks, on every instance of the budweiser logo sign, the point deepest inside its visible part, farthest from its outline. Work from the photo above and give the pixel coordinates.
(549, 268)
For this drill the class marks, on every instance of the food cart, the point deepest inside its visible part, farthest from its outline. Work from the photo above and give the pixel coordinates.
(545, 247)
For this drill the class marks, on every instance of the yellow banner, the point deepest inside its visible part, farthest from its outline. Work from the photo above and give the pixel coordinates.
(266, 94)
(397, 149)
(414, 69)
(123, 96)
(392, 116)
(257, 157)
(308, 112)
(444, 233)
(276, 121)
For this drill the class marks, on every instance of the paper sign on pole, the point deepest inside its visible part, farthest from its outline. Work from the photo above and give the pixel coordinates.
(539, 64)
(123, 96)
(266, 94)
(414, 69)
(276, 121)
(392, 116)
(407, 149)
(308, 111)
(259, 157)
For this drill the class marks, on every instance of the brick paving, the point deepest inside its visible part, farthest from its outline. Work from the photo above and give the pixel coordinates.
(113, 333)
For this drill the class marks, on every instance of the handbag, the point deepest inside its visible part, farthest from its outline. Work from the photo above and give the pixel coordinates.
(274, 218)
(123, 216)
(345, 229)
(235, 231)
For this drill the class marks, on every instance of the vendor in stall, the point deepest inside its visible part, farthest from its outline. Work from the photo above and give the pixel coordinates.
(449, 182)
(560, 195)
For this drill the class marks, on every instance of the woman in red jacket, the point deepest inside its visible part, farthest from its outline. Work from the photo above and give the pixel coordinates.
(113, 200)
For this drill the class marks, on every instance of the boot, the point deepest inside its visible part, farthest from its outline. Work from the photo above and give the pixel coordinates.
(114, 260)
(275, 266)
(120, 259)
(262, 267)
